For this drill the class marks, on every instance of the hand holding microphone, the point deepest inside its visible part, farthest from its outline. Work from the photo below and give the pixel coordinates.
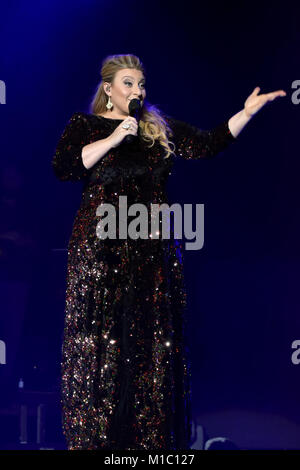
(127, 131)
(134, 111)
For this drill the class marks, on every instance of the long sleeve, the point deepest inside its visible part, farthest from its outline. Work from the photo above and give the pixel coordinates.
(194, 143)
(67, 162)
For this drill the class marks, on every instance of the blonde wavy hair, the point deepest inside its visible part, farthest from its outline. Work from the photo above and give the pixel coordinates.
(152, 124)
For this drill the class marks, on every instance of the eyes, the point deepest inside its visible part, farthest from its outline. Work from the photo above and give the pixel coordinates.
(129, 83)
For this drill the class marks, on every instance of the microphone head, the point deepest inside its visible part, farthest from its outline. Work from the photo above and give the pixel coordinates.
(134, 106)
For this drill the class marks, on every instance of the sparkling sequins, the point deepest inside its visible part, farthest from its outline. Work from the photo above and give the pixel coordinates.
(125, 362)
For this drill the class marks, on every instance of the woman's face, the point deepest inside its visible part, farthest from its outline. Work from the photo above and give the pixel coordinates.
(128, 84)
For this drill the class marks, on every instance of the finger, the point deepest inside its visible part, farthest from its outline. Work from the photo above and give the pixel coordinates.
(280, 93)
(132, 124)
(132, 128)
(273, 95)
(256, 90)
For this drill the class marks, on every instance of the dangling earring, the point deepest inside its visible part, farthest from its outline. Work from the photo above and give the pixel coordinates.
(109, 104)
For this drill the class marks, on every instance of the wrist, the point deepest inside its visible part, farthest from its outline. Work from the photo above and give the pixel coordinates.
(110, 142)
(246, 115)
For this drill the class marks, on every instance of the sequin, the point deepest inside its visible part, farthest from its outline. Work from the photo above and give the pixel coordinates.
(126, 370)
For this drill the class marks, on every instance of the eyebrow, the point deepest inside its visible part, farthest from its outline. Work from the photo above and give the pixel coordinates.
(129, 76)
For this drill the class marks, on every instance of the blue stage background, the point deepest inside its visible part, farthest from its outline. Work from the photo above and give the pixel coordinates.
(202, 62)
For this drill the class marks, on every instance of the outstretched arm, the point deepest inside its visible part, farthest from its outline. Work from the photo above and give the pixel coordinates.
(252, 105)
(194, 143)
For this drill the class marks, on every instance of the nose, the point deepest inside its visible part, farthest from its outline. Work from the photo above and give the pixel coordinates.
(138, 94)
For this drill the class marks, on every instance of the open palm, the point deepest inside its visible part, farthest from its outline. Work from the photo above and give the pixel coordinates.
(255, 102)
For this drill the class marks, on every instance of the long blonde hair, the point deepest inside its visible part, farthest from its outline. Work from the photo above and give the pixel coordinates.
(152, 124)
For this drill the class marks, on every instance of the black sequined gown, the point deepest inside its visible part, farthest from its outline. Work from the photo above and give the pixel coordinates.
(125, 362)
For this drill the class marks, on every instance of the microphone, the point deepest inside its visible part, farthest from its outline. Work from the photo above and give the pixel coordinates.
(134, 111)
